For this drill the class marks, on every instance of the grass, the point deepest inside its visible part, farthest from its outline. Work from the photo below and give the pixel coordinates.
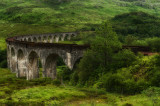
(21, 17)
(18, 91)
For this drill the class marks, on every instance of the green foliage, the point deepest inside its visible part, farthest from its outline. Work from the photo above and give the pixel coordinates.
(3, 59)
(139, 24)
(153, 93)
(123, 58)
(98, 59)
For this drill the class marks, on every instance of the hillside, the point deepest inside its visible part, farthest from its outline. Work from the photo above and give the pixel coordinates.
(139, 24)
(20, 17)
(70, 15)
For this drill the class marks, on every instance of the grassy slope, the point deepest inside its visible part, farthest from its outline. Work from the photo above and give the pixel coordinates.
(18, 91)
(37, 16)
(65, 17)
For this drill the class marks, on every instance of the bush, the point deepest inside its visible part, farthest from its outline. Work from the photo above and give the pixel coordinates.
(114, 83)
(155, 80)
(123, 58)
(56, 82)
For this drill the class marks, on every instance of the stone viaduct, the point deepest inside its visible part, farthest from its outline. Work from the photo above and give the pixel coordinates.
(24, 53)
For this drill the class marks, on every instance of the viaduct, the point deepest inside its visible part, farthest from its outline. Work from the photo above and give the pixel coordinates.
(24, 53)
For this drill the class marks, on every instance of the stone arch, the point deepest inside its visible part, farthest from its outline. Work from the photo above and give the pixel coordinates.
(21, 64)
(13, 60)
(34, 39)
(66, 37)
(29, 40)
(50, 66)
(39, 39)
(50, 39)
(33, 69)
(25, 39)
(61, 37)
(54, 38)
(73, 35)
(12, 52)
(76, 62)
(44, 39)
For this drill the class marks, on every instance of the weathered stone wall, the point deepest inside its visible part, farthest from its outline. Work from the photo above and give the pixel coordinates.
(24, 56)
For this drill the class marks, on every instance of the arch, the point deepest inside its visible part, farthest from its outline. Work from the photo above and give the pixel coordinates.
(57, 38)
(21, 64)
(33, 69)
(60, 37)
(50, 66)
(25, 39)
(73, 35)
(13, 60)
(76, 63)
(29, 40)
(39, 39)
(50, 39)
(12, 52)
(34, 39)
(66, 37)
(44, 39)
(54, 38)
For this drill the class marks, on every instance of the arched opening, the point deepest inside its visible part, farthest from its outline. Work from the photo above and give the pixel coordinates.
(39, 39)
(50, 66)
(33, 69)
(73, 35)
(34, 39)
(56, 68)
(12, 52)
(44, 39)
(13, 60)
(60, 37)
(76, 63)
(21, 64)
(25, 39)
(50, 39)
(53, 38)
(29, 39)
(66, 37)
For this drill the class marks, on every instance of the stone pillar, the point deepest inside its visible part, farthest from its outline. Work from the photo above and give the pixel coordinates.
(22, 68)
(69, 60)
(57, 39)
(69, 37)
(63, 36)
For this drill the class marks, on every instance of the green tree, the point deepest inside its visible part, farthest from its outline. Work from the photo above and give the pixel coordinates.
(99, 58)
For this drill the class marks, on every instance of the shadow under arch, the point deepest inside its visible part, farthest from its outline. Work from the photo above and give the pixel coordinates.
(25, 39)
(29, 39)
(13, 61)
(66, 37)
(76, 63)
(39, 39)
(21, 64)
(12, 52)
(34, 39)
(33, 66)
(52, 62)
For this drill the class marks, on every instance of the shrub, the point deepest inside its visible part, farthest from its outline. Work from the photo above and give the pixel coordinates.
(56, 82)
(123, 58)
(114, 83)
